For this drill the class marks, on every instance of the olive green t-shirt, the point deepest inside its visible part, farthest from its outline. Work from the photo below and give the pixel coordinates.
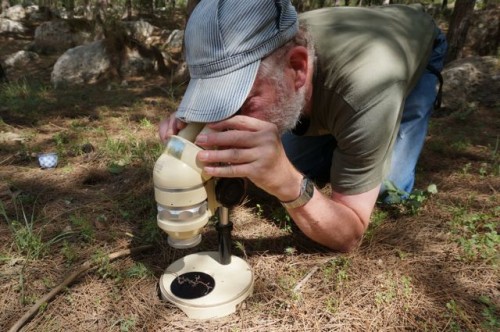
(368, 60)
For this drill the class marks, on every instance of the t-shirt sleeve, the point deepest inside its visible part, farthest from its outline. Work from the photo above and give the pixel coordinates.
(365, 137)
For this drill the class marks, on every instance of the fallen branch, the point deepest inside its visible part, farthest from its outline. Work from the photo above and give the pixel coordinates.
(68, 280)
(306, 278)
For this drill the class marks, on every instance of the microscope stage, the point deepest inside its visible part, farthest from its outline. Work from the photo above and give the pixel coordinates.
(203, 288)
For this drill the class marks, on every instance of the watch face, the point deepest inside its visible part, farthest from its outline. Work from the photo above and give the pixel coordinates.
(309, 188)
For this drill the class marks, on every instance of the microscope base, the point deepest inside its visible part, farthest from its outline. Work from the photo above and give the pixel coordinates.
(205, 289)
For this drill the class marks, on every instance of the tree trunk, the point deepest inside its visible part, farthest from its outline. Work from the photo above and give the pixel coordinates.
(444, 5)
(191, 4)
(88, 10)
(3, 75)
(146, 7)
(70, 7)
(128, 5)
(459, 26)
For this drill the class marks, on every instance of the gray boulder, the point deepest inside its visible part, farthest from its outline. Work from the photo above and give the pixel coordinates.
(140, 30)
(15, 13)
(31, 9)
(20, 58)
(466, 79)
(10, 26)
(61, 35)
(85, 64)
(136, 65)
(175, 39)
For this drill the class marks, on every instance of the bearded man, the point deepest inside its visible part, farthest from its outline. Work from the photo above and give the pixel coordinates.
(344, 96)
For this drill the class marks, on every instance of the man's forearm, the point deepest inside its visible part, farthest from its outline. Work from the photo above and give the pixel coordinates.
(330, 222)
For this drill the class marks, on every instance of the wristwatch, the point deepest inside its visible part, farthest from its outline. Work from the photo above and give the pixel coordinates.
(306, 193)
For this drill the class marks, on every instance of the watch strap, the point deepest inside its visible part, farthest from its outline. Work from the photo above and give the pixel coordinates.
(306, 193)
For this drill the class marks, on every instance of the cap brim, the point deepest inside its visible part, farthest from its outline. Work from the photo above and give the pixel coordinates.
(217, 98)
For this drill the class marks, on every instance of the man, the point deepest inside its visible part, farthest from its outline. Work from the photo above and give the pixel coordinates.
(347, 74)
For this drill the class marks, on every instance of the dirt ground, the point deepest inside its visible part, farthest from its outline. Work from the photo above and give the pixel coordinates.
(435, 269)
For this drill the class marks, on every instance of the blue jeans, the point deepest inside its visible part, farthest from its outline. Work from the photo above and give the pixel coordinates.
(312, 155)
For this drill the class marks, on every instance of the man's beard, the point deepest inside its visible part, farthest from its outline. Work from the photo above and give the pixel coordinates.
(286, 112)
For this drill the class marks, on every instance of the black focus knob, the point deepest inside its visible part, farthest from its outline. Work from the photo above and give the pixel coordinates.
(230, 192)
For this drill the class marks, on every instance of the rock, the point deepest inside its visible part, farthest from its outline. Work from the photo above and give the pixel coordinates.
(61, 35)
(6, 137)
(31, 9)
(465, 77)
(140, 30)
(181, 74)
(11, 26)
(15, 13)
(79, 11)
(136, 65)
(81, 65)
(20, 58)
(87, 148)
(483, 37)
(174, 41)
(41, 13)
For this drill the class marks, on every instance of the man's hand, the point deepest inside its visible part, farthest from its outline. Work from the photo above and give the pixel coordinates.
(170, 126)
(251, 148)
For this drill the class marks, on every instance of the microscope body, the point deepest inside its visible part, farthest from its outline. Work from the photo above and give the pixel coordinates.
(186, 199)
(185, 196)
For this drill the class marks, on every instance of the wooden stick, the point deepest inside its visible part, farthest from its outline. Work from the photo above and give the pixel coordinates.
(68, 280)
(305, 279)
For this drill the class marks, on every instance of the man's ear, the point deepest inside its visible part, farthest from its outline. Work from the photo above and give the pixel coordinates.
(298, 63)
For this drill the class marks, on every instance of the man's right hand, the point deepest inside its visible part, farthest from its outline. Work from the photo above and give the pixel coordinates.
(170, 126)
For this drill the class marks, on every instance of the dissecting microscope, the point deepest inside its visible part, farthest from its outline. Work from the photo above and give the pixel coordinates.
(207, 284)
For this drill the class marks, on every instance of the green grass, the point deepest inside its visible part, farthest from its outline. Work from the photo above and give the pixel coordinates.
(282, 218)
(377, 218)
(458, 316)
(27, 238)
(490, 313)
(138, 271)
(106, 270)
(69, 252)
(476, 234)
(337, 270)
(124, 151)
(393, 289)
(150, 232)
(83, 226)
(23, 96)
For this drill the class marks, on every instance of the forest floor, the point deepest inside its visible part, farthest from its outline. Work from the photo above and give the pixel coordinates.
(429, 268)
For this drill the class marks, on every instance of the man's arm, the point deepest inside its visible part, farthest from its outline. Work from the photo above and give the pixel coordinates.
(251, 148)
(337, 222)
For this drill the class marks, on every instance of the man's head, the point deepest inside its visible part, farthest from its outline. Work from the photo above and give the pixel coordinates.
(225, 41)
(279, 93)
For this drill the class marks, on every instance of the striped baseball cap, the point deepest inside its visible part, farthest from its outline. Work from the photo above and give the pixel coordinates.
(224, 43)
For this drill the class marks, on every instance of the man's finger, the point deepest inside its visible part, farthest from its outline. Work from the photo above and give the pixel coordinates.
(240, 122)
(228, 171)
(230, 138)
(228, 156)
